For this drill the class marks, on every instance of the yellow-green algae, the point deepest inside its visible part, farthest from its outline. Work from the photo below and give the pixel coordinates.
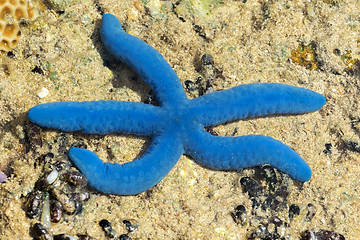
(305, 55)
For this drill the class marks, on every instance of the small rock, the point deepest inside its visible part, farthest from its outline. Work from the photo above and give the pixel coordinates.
(311, 212)
(106, 226)
(239, 214)
(294, 210)
(322, 235)
(251, 187)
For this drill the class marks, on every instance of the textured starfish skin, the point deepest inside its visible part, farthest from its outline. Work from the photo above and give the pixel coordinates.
(176, 126)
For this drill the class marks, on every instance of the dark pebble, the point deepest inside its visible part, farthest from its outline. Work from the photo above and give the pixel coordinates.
(124, 237)
(106, 226)
(322, 235)
(60, 165)
(239, 214)
(69, 205)
(251, 187)
(276, 221)
(278, 204)
(268, 172)
(211, 131)
(38, 70)
(34, 204)
(207, 59)
(283, 193)
(255, 203)
(199, 30)
(328, 147)
(267, 203)
(34, 135)
(64, 237)
(40, 232)
(352, 146)
(260, 232)
(84, 237)
(80, 196)
(56, 211)
(76, 178)
(311, 210)
(294, 210)
(130, 227)
(45, 158)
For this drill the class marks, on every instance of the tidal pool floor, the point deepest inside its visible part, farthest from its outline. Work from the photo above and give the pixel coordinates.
(60, 58)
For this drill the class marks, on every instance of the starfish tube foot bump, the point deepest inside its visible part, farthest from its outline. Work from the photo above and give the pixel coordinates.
(176, 126)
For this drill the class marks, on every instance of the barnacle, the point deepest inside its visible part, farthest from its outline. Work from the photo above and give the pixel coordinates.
(305, 55)
(11, 12)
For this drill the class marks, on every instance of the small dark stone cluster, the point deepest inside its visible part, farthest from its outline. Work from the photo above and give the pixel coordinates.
(204, 83)
(109, 231)
(271, 213)
(62, 188)
(60, 191)
(38, 231)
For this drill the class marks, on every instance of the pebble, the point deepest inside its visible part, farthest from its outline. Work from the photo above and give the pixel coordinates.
(56, 211)
(260, 232)
(34, 204)
(64, 237)
(124, 237)
(276, 221)
(43, 92)
(328, 147)
(41, 233)
(239, 214)
(294, 210)
(311, 212)
(106, 226)
(268, 172)
(352, 146)
(251, 187)
(47, 180)
(322, 235)
(84, 237)
(130, 227)
(80, 196)
(75, 178)
(68, 204)
(3, 177)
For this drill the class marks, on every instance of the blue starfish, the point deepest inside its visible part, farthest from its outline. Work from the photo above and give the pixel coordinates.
(176, 126)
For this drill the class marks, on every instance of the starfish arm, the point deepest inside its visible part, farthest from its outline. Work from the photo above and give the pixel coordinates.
(251, 100)
(99, 117)
(133, 177)
(235, 153)
(143, 59)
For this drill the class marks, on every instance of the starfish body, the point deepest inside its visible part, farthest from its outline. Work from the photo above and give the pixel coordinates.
(176, 126)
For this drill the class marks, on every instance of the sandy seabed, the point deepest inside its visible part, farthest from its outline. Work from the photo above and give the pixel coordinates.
(250, 42)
